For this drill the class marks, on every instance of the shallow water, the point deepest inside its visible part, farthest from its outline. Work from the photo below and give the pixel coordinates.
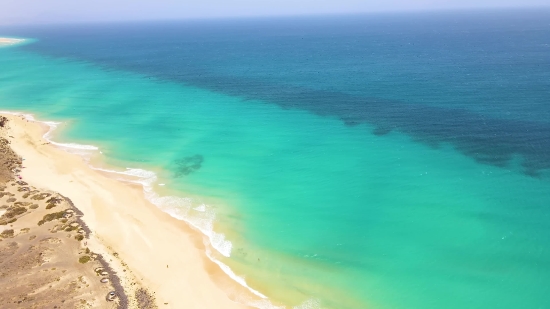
(351, 162)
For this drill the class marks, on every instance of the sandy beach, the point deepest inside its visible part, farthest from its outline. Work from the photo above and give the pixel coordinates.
(9, 41)
(143, 245)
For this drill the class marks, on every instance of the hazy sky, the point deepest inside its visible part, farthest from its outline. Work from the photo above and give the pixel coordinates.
(46, 11)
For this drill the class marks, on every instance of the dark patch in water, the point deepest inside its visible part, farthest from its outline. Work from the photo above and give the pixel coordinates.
(188, 165)
(380, 131)
(487, 140)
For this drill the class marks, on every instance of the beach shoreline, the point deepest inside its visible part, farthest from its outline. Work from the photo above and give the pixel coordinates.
(10, 41)
(140, 241)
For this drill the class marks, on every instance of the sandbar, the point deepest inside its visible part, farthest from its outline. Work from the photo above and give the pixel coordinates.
(10, 41)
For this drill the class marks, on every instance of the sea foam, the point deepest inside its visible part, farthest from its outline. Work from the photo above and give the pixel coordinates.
(177, 207)
(70, 147)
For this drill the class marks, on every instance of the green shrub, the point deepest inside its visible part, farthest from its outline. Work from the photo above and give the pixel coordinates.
(40, 196)
(14, 211)
(52, 216)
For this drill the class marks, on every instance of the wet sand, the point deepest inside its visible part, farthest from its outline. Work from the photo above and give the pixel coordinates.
(146, 248)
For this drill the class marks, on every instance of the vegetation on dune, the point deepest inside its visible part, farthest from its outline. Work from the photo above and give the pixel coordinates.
(84, 259)
(7, 233)
(145, 300)
(14, 211)
(71, 228)
(10, 215)
(40, 196)
(2, 194)
(52, 216)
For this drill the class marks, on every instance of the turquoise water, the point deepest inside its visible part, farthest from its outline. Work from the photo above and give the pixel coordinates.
(314, 195)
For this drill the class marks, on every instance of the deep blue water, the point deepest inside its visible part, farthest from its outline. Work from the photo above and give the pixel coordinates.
(396, 161)
(388, 71)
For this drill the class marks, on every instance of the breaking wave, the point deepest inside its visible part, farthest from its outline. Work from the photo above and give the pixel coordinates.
(201, 216)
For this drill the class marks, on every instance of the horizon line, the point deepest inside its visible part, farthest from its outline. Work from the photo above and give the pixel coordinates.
(443, 11)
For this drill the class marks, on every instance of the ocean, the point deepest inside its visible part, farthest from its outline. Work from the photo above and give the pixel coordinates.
(365, 161)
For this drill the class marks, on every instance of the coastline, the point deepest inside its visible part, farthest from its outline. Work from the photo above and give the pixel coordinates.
(10, 41)
(316, 204)
(141, 242)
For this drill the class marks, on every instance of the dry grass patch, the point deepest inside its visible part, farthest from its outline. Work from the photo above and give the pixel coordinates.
(7, 233)
(144, 299)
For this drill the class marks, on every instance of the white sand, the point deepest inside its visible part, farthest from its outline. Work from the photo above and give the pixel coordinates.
(10, 41)
(163, 253)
